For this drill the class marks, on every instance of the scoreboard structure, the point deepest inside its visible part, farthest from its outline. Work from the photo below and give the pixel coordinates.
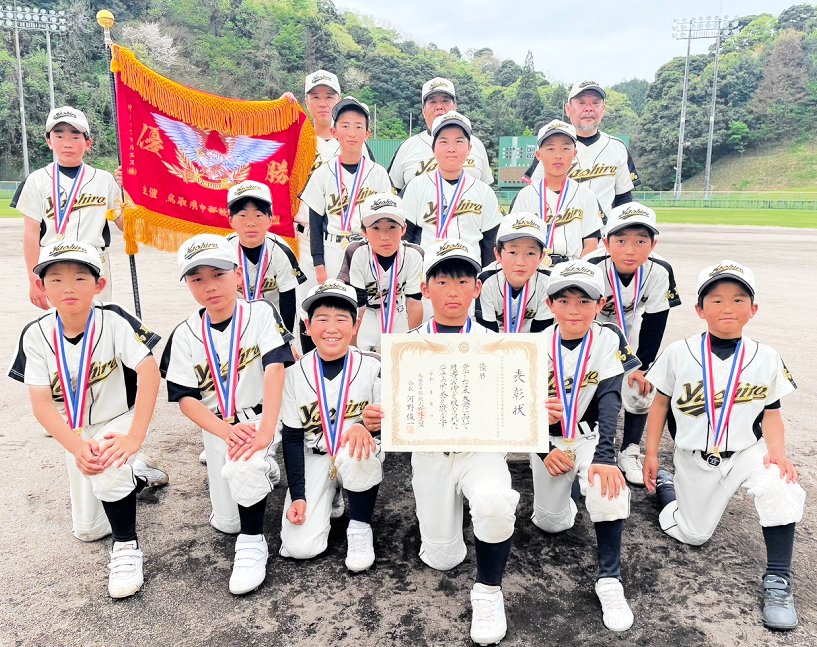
(515, 155)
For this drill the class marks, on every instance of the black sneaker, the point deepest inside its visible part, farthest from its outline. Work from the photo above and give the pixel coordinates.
(778, 603)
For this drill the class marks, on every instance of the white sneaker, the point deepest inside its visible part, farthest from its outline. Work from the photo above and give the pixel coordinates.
(250, 566)
(359, 549)
(203, 457)
(145, 467)
(338, 505)
(616, 613)
(125, 577)
(488, 624)
(629, 460)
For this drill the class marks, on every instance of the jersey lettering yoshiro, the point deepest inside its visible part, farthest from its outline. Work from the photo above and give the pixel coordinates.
(184, 361)
(490, 304)
(579, 217)
(299, 407)
(677, 373)
(283, 272)
(416, 157)
(87, 222)
(121, 342)
(477, 211)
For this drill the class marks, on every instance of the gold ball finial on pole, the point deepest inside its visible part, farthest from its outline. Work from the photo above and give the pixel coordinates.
(104, 19)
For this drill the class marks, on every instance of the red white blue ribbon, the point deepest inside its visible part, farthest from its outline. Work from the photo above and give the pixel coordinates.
(543, 209)
(444, 215)
(63, 212)
(388, 301)
(570, 418)
(256, 291)
(332, 431)
(354, 193)
(514, 321)
(431, 326)
(75, 399)
(720, 426)
(618, 301)
(225, 388)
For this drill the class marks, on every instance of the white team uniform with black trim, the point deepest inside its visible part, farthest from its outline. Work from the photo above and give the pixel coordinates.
(440, 481)
(553, 509)
(415, 157)
(184, 363)
(358, 272)
(87, 223)
(703, 490)
(579, 217)
(121, 342)
(491, 301)
(300, 410)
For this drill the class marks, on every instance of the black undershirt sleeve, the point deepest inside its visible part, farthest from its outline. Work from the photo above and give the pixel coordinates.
(490, 325)
(287, 307)
(316, 222)
(595, 235)
(279, 355)
(608, 400)
(538, 325)
(175, 392)
(416, 296)
(486, 246)
(529, 173)
(624, 198)
(292, 441)
(653, 325)
(413, 233)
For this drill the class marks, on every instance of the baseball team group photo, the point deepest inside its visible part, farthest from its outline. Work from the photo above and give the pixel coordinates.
(326, 323)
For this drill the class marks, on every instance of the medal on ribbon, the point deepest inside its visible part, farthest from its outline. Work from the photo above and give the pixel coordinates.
(388, 301)
(63, 212)
(332, 431)
(444, 215)
(354, 194)
(554, 218)
(515, 320)
(720, 424)
(225, 387)
(431, 326)
(618, 301)
(570, 417)
(75, 398)
(254, 291)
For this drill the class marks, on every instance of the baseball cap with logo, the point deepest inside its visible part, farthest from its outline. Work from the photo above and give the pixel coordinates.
(522, 225)
(330, 288)
(437, 84)
(382, 205)
(448, 249)
(577, 274)
(450, 118)
(555, 127)
(631, 214)
(249, 189)
(68, 251)
(584, 86)
(321, 77)
(67, 115)
(348, 103)
(208, 250)
(727, 269)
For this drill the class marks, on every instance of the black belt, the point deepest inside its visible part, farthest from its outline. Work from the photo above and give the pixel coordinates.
(558, 258)
(301, 229)
(714, 459)
(338, 238)
(257, 409)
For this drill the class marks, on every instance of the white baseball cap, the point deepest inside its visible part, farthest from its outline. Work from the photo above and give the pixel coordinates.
(321, 77)
(727, 269)
(382, 205)
(522, 225)
(249, 189)
(437, 84)
(579, 274)
(584, 86)
(345, 103)
(67, 115)
(331, 288)
(555, 127)
(450, 118)
(206, 249)
(446, 250)
(68, 250)
(630, 214)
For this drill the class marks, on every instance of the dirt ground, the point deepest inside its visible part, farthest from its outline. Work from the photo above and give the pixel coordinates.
(53, 589)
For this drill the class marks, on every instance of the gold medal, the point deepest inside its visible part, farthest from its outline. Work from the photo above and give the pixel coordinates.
(60, 236)
(547, 261)
(333, 471)
(345, 242)
(571, 455)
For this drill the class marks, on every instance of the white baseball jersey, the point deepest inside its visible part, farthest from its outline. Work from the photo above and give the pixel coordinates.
(184, 361)
(282, 272)
(299, 408)
(477, 211)
(578, 218)
(491, 302)
(121, 342)
(416, 157)
(476, 328)
(98, 193)
(605, 167)
(677, 373)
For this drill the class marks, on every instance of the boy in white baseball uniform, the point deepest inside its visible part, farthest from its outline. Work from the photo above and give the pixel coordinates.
(586, 364)
(513, 297)
(719, 394)
(385, 271)
(328, 440)
(68, 199)
(93, 383)
(221, 364)
(576, 228)
(639, 290)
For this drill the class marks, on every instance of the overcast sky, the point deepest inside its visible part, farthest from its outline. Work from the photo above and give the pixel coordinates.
(604, 40)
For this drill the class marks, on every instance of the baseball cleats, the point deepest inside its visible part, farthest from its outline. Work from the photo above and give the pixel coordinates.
(778, 603)
(145, 468)
(629, 462)
(488, 624)
(616, 613)
(338, 506)
(250, 566)
(359, 549)
(125, 577)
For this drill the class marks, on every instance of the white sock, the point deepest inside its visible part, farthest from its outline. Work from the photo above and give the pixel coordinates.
(358, 526)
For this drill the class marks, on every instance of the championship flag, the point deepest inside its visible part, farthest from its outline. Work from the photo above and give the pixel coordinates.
(182, 149)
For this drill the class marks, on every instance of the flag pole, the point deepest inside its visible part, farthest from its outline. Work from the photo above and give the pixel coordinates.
(105, 19)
